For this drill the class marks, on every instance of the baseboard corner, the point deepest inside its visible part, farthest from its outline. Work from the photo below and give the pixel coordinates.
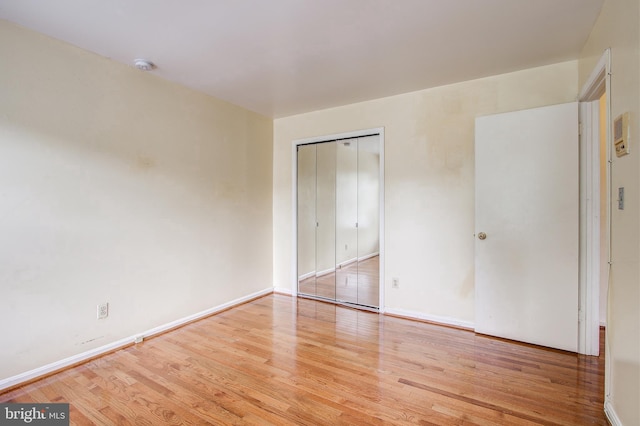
(610, 412)
(282, 290)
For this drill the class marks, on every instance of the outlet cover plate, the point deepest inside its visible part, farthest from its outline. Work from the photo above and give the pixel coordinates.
(103, 310)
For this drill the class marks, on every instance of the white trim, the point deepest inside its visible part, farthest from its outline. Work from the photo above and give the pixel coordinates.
(368, 256)
(590, 244)
(282, 290)
(332, 270)
(84, 356)
(382, 222)
(610, 412)
(325, 272)
(608, 151)
(307, 275)
(294, 219)
(58, 365)
(294, 199)
(336, 136)
(347, 262)
(595, 85)
(431, 318)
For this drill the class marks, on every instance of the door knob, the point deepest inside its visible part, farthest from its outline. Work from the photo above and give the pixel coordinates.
(482, 235)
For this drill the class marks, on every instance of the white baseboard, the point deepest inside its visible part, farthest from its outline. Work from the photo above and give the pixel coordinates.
(316, 274)
(59, 365)
(347, 262)
(431, 318)
(283, 290)
(340, 265)
(611, 414)
(75, 359)
(368, 256)
(307, 275)
(326, 272)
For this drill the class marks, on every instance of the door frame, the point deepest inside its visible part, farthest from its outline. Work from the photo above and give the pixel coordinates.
(597, 84)
(294, 198)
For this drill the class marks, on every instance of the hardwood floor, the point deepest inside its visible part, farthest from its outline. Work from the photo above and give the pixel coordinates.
(286, 361)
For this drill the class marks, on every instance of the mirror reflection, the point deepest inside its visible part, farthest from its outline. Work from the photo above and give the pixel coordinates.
(347, 221)
(368, 221)
(326, 220)
(338, 220)
(307, 219)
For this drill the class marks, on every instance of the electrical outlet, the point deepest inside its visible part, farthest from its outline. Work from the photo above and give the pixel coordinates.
(103, 310)
(395, 283)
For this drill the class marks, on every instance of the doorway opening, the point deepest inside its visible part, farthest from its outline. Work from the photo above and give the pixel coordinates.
(595, 205)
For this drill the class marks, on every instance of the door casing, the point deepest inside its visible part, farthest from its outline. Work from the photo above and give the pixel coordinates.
(596, 85)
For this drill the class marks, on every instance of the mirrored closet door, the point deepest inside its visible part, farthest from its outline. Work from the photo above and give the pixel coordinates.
(338, 205)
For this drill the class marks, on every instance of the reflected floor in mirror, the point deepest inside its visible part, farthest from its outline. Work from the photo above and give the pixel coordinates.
(357, 282)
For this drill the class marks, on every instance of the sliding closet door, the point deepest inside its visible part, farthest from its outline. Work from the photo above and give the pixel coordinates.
(369, 220)
(307, 219)
(338, 220)
(347, 221)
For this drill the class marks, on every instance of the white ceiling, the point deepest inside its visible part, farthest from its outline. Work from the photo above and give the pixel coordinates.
(283, 57)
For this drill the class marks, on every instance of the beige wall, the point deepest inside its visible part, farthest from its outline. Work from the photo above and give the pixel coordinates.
(117, 186)
(429, 180)
(617, 28)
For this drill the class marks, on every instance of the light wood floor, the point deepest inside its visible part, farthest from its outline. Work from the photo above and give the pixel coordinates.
(280, 360)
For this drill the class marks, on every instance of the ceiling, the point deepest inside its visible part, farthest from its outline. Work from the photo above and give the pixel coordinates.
(284, 57)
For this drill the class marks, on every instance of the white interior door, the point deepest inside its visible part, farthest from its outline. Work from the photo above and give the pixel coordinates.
(527, 205)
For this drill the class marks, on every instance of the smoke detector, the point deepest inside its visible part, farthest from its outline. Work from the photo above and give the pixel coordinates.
(143, 65)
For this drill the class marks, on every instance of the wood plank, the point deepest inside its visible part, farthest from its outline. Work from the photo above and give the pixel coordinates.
(285, 361)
